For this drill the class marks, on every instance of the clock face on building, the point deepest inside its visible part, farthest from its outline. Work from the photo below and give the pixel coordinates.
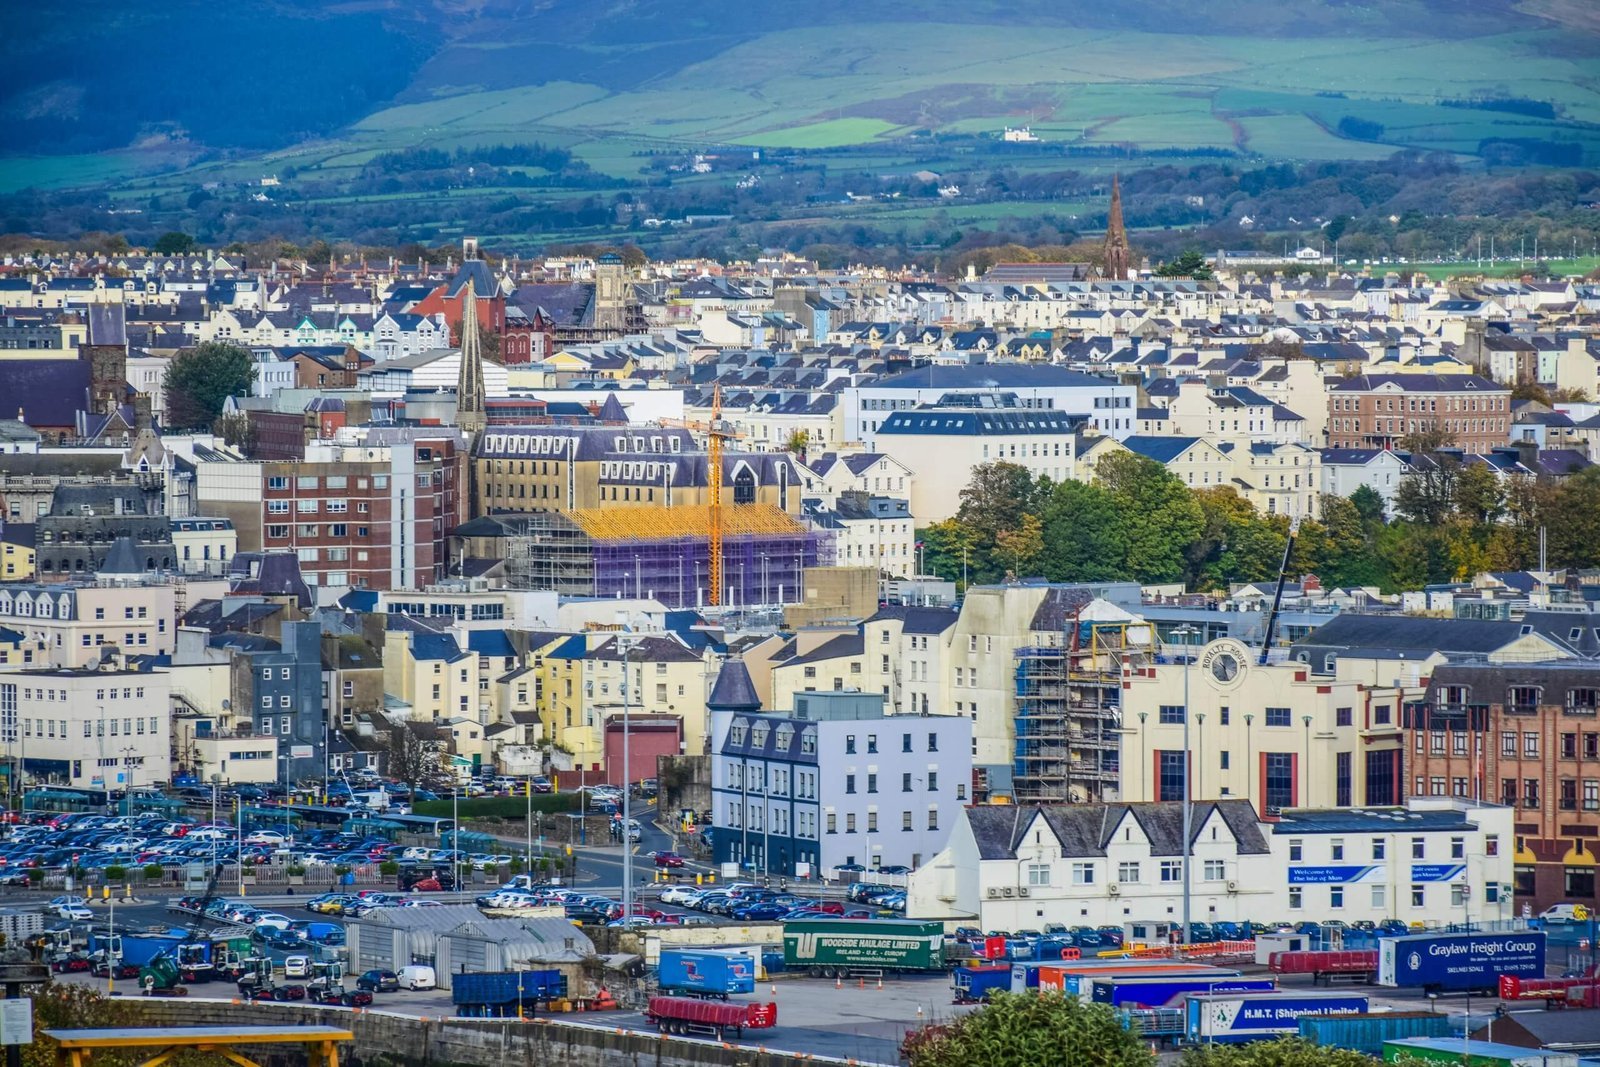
(1226, 661)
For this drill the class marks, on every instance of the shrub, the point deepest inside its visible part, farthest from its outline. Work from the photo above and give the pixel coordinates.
(116, 872)
(388, 868)
(35, 876)
(297, 870)
(154, 872)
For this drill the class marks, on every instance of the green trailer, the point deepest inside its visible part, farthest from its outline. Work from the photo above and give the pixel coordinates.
(829, 948)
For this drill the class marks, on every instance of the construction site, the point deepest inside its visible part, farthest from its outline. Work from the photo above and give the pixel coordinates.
(1069, 708)
(665, 554)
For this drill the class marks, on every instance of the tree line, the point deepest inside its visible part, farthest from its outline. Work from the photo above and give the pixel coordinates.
(1139, 522)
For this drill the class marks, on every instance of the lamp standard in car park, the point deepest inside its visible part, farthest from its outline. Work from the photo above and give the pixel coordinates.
(1187, 632)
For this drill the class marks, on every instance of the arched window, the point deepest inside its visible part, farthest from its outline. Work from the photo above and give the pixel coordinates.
(744, 487)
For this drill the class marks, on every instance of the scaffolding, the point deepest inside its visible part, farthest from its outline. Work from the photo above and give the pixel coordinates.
(1069, 712)
(664, 553)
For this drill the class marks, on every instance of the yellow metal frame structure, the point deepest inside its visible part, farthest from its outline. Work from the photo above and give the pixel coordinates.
(76, 1047)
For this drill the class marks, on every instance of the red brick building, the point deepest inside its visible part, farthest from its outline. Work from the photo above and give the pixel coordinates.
(328, 368)
(527, 339)
(1379, 410)
(449, 297)
(376, 515)
(1526, 736)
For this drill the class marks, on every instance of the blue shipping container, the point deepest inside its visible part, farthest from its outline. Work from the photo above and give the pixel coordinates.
(483, 992)
(1367, 1033)
(974, 983)
(706, 973)
(1124, 992)
(1450, 962)
(1252, 1017)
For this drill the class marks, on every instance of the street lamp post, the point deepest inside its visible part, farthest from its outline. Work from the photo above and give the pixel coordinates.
(1249, 774)
(1144, 766)
(1188, 786)
(1306, 800)
(627, 784)
(1200, 766)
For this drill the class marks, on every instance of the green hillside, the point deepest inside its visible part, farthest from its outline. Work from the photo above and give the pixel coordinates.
(1268, 79)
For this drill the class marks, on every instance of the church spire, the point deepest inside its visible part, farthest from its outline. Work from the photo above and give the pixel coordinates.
(470, 403)
(1117, 259)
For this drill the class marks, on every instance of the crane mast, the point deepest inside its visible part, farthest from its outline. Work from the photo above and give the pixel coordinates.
(714, 512)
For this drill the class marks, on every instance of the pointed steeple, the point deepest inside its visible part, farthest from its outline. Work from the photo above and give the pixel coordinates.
(1116, 257)
(470, 402)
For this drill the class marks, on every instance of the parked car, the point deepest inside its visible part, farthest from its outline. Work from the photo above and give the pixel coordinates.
(297, 966)
(1565, 913)
(379, 981)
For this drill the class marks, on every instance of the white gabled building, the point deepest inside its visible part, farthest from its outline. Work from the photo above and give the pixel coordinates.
(1019, 867)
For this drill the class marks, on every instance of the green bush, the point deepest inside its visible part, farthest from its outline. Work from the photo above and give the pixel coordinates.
(297, 870)
(35, 876)
(341, 870)
(388, 868)
(116, 873)
(501, 807)
(516, 864)
(154, 872)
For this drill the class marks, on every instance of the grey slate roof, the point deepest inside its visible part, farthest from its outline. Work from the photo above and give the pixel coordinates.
(1085, 829)
(1354, 632)
(122, 558)
(733, 690)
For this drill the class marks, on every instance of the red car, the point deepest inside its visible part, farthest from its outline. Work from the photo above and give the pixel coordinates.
(828, 907)
(668, 859)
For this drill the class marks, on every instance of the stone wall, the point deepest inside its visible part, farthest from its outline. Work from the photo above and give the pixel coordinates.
(385, 1038)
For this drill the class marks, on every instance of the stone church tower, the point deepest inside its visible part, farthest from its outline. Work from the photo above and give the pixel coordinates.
(1116, 256)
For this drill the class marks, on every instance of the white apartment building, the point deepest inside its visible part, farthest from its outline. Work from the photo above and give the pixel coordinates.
(74, 620)
(836, 782)
(1010, 867)
(1108, 405)
(88, 728)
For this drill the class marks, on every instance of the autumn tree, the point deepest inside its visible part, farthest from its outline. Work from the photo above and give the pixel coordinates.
(1020, 549)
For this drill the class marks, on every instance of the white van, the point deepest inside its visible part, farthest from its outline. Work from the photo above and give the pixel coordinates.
(1565, 913)
(297, 966)
(417, 976)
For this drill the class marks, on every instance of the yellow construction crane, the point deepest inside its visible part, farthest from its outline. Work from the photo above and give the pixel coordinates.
(717, 432)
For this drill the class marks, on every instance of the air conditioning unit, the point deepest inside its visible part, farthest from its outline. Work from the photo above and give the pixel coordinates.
(1008, 891)
(1233, 887)
(1022, 890)
(994, 891)
(1113, 889)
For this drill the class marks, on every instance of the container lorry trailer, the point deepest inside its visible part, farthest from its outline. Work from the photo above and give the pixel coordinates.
(845, 947)
(706, 974)
(1453, 963)
(693, 1015)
